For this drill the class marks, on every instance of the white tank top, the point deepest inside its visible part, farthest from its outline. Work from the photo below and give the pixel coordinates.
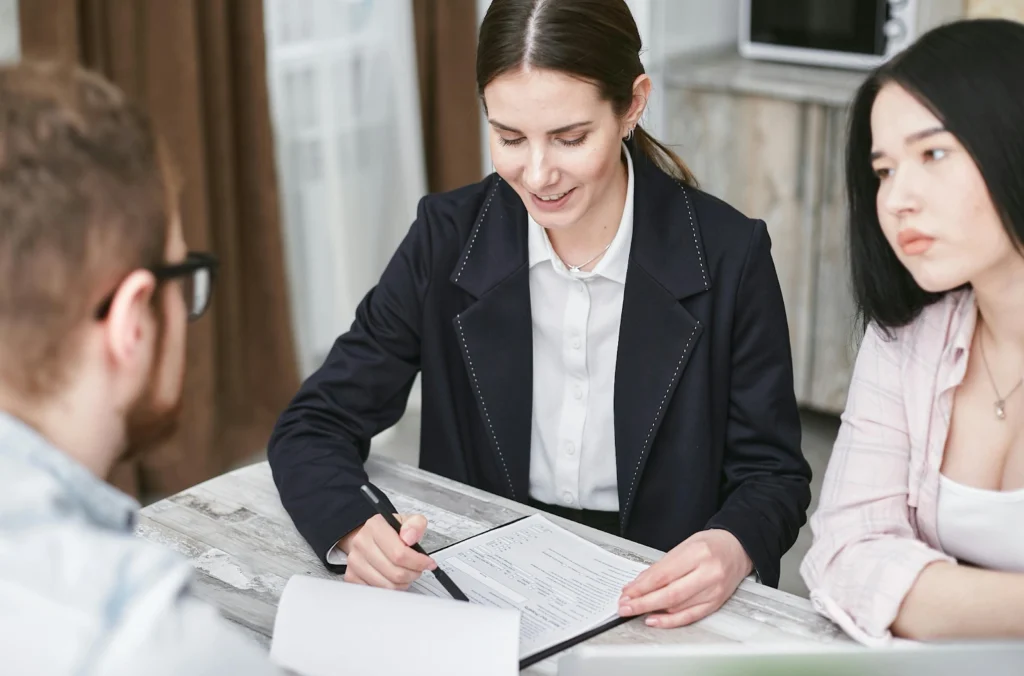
(982, 527)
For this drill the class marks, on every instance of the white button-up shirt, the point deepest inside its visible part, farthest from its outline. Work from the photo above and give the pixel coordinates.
(576, 319)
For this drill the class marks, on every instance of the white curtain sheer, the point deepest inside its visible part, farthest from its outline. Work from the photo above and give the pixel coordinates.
(345, 107)
(10, 44)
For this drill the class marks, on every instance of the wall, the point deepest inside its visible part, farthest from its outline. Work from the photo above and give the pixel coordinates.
(1006, 9)
(696, 25)
(10, 47)
(672, 28)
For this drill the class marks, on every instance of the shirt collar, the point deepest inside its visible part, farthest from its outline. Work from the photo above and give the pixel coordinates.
(959, 335)
(615, 262)
(964, 321)
(84, 493)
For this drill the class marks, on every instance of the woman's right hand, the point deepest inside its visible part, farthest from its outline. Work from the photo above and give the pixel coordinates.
(380, 557)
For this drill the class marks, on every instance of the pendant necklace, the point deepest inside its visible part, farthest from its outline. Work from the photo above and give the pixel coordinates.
(1000, 405)
(576, 268)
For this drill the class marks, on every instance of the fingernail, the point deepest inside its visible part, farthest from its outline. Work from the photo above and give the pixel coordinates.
(625, 610)
(624, 599)
(652, 622)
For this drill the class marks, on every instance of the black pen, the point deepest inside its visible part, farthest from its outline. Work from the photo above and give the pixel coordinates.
(441, 576)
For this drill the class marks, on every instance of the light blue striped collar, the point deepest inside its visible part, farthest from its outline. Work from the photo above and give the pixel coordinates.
(84, 493)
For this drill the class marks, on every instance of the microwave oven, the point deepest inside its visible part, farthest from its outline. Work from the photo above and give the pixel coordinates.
(858, 34)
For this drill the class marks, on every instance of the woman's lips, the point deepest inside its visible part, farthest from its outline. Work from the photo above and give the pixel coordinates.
(914, 242)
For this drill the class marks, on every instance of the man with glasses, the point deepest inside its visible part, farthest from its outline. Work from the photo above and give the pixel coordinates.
(96, 288)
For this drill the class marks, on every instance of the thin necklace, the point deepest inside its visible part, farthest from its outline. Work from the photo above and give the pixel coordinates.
(576, 268)
(1000, 401)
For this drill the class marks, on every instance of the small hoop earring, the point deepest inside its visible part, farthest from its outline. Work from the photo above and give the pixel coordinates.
(629, 134)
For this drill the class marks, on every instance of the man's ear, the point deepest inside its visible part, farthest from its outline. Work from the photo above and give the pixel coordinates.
(130, 318)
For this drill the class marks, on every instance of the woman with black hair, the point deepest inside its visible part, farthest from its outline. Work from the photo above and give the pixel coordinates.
(918, 532)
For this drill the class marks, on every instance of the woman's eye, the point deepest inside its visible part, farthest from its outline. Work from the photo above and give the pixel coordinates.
(882, 173)
(510, 141)
(935, 154)
(574, 142)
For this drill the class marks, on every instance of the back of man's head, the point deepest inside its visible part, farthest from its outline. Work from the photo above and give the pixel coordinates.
(85, 198)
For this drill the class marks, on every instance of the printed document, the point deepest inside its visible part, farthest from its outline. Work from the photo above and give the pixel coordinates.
(531, 584)
(562, 584)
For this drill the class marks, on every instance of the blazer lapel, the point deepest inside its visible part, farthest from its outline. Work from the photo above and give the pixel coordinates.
(495, 333)
(657, 335)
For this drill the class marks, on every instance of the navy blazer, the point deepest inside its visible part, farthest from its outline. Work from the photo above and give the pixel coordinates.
(707, 433)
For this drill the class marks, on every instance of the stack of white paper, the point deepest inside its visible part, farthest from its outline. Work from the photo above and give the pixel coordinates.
(328, 628)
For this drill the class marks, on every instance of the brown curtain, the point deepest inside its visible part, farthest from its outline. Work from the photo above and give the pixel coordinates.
(198, 67)
(446, 32)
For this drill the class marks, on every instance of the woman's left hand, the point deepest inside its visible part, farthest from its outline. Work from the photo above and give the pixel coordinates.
(690, 582)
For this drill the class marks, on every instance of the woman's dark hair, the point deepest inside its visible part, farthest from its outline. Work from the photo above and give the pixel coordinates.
(594, 40)
(970, 75)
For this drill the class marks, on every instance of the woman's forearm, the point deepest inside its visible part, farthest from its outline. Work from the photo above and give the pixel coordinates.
(950, 601)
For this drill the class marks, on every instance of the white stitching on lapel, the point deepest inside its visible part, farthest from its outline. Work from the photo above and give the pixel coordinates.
(693, 228)
(483, 405)
(636, 471)
(675, 374)
(476, 229)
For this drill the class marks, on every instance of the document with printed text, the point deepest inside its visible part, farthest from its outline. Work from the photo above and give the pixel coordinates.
(532, 585)
(562, 584)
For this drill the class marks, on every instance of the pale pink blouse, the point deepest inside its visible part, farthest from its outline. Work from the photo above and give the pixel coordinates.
(875, 525)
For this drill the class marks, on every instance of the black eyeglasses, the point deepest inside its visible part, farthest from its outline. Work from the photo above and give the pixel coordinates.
(197, 270)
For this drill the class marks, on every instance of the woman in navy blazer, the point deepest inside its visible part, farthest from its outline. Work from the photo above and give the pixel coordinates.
(706, 441)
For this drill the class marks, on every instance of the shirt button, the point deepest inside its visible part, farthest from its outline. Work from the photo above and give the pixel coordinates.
(576, 343)
(567, 498)
(578, 392)
(570, 448)
(582, 287)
